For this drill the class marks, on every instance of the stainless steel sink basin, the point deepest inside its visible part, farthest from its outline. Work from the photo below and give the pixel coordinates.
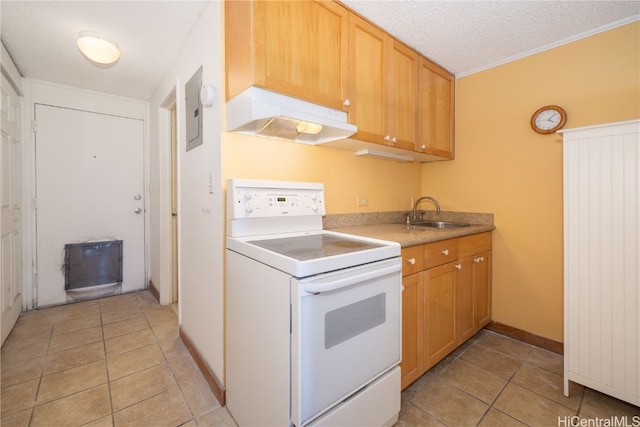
(439, 224)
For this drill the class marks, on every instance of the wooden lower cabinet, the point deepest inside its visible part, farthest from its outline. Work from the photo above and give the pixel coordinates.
(465, 294)
(439, 302)
(482, 289)
(412, 328)
(446, 303)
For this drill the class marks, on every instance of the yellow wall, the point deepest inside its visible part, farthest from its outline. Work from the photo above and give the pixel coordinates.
(387, 185)
(503, 167)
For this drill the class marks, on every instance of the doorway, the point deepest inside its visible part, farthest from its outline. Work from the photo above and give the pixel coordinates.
(174, 206)
(89, 189)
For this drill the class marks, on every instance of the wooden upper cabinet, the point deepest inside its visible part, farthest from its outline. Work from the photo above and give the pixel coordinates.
(321, 52)
(402, 89)
(298, 48)
(383, 83)
(367, 96)
(435, 110)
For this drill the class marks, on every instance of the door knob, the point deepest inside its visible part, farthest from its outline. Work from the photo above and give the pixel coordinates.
(137, 211)
(137, 197)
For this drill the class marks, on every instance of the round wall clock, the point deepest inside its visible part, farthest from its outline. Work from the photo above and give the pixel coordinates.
(548, 119)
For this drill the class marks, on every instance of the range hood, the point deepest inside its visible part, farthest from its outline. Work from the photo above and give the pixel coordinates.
(261, 112)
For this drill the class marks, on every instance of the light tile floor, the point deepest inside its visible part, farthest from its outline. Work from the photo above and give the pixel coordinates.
(492, 380)
(118, 361)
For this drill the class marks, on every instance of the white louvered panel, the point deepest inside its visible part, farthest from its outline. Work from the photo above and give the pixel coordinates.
(602, 258)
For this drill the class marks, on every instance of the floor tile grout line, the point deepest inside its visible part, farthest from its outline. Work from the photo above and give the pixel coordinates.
(527, 387)
(35, 399)
(584, 391)
(114, 412)
(175, 378)
(508, 381)
(506, 384)
(146, 312)
(106, 365)
(33, 408)
(168, 364)
(489, 405)
(41, 374)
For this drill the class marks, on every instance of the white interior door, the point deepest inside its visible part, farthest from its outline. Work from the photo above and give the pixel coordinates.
(89, 187)
(11, 216)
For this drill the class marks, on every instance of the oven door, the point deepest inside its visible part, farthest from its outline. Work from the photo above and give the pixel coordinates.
(345, 333)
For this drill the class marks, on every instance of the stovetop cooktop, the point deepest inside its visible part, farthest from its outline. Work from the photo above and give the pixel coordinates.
(314, 246)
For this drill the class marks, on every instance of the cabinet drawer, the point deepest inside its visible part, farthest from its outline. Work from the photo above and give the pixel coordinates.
(412, 260)
(442, 252)
(474, 244)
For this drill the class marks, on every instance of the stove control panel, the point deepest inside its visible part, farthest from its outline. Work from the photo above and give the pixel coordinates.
(273, 199)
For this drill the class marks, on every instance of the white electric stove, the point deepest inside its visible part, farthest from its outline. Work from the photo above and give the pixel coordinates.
(313, 316)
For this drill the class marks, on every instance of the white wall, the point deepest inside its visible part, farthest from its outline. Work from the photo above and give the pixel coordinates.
(200, 215)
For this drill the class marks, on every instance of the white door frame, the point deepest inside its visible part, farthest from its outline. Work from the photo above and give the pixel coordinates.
(39, 92)
(164, 287)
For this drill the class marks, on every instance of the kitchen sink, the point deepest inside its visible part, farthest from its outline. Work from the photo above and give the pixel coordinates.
(439, 224)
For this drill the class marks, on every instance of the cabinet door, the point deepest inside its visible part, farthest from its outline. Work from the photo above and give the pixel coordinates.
(301, 49)
(439, 313)
(435, 110)
(402, 89)
(482, 289)
(412, 333)
(367, 95)
(412, 260)
(465, 319)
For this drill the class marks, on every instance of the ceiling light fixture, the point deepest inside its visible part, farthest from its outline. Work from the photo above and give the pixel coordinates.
(97, 48)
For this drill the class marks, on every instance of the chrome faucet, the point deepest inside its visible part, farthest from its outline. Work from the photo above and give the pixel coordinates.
(415, 206)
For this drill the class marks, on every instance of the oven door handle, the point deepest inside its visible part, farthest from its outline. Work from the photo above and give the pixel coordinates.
(328, 285)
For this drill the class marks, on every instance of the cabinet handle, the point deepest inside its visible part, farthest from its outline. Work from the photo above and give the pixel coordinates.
(478, 260)
(412, 261)
(387, 138)
(394, 140)
(445, 252)
(346, 103)
(422, 147)
(458, 266)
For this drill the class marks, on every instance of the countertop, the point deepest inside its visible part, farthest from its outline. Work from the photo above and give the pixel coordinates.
(411, 235)
(390, 227)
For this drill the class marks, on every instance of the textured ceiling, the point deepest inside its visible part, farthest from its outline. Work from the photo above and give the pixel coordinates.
(465, 36)
(41, 38)
(462, 36)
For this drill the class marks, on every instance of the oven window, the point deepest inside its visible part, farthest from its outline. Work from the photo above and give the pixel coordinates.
(352, 320)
